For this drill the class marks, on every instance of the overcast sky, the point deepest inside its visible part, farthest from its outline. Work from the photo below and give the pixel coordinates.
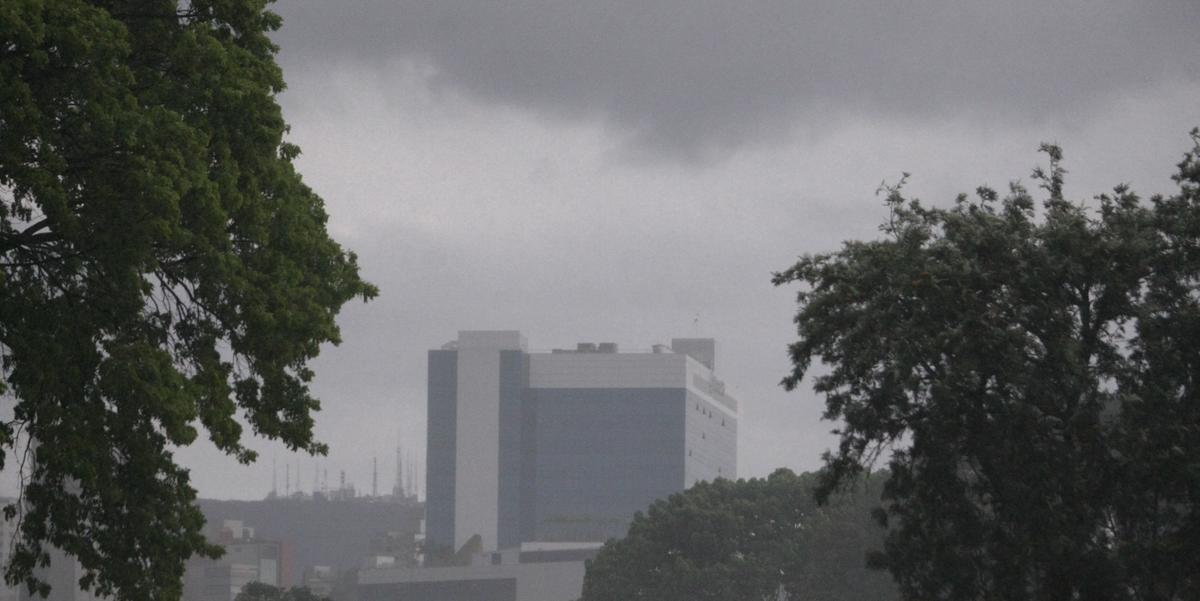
(632, 171)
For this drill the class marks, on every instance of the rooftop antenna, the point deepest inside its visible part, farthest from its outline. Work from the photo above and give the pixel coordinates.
(316, 470)
(412, 477)
(399, 490)
(274, 478)
(374, 477)
(408, 477)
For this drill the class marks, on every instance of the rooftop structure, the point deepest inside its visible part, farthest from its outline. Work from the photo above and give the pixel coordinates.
(524, 573)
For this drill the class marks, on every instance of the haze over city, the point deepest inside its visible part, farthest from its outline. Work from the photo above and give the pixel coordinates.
(630, 173)
(391, 300)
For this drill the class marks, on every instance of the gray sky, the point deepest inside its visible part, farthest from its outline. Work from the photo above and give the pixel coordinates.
(632, 171)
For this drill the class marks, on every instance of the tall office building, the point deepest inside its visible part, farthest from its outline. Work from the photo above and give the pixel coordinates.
(566, 445)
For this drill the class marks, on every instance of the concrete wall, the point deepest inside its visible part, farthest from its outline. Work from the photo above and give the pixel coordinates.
(601, 370)
(467, 387)
(476, 476)
(703, 350)
(711, 428)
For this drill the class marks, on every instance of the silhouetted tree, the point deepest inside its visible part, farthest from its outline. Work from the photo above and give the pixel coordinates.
(1034, 375)
(163, 269)
(258, 591)
(745, 540)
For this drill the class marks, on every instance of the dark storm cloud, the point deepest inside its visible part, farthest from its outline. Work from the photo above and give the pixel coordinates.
(690, 78)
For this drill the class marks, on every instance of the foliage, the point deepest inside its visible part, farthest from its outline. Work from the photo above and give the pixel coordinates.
(258, 591)
(163, 270)
(1034, 376)
(744, 540)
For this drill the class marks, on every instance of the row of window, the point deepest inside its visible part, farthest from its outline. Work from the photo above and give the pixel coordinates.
(708, 413)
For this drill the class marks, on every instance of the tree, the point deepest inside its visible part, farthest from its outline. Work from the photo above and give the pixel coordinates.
(163, 270)
(749, 540)
(1033, 375)
(258, 591)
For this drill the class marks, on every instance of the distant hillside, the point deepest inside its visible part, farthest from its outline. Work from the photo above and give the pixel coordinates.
(335, 533)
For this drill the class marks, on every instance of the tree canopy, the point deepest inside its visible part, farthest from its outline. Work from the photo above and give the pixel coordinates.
(749, 539)
(163, 271)
(1032, 375)
(258, 591)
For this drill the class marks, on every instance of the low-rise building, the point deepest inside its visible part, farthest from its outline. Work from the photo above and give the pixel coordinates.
(247, 559)
(336, 531)
(530, 572)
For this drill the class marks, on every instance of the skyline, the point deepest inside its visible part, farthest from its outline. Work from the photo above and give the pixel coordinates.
(576, 206)
(635, 171)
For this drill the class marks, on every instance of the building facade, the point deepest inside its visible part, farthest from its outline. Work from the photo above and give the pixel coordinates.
(567, 445)
(247, 559)
(531, 572)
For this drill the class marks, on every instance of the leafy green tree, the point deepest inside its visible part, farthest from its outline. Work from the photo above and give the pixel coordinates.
(163, 270)
(749, 540)
(1033, 375)
(258, 591)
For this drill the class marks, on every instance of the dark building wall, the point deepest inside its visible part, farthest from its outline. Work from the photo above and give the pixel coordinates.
(317, 532)
(528, 515)
(599, 455)
(512, 388)
(440, 452)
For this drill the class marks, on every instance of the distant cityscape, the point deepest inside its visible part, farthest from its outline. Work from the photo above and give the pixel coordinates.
(533, 460)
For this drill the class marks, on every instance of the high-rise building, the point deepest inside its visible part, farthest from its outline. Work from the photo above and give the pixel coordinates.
(566, 445)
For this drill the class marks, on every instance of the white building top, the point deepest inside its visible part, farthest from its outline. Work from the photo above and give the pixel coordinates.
(496, 340)
(607, 370)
